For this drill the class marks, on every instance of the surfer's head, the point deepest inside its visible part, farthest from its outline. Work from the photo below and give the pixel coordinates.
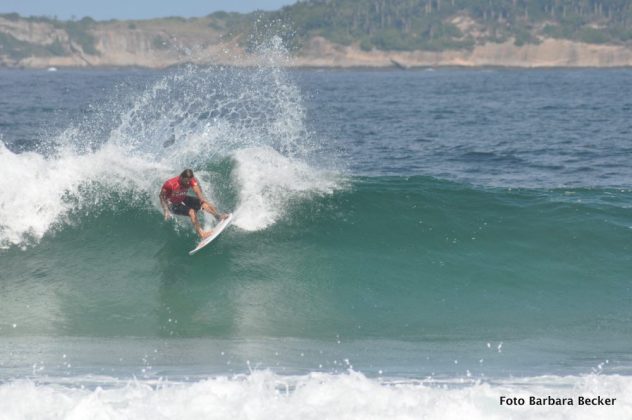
(186, 176)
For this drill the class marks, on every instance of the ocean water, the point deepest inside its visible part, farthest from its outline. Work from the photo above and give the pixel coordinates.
(405, 244)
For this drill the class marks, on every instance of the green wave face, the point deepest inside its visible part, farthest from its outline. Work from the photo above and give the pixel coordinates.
(402, 258)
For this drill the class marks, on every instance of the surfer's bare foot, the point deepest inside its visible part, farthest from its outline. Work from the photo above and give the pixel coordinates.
(206, 233)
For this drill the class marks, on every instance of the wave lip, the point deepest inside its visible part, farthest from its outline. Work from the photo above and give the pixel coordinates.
(39, 192)
(269, 181)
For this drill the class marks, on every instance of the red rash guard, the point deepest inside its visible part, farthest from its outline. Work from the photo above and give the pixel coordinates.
(175, 191)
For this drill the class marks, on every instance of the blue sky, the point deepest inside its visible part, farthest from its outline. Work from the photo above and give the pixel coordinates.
(133, 9)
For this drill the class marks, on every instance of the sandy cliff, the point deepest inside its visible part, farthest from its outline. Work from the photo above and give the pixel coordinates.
(549, 53)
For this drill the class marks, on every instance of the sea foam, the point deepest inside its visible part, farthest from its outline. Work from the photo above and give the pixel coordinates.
(266, 395)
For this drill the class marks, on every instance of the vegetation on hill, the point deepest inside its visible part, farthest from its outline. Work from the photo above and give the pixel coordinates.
(17, 49)
(434, 24)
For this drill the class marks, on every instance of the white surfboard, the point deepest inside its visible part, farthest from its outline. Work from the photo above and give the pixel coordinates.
(216, 231)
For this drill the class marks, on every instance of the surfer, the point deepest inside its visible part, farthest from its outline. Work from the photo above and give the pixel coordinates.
(174, 199)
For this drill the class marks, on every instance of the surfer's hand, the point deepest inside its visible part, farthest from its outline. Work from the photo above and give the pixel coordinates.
(167, 216)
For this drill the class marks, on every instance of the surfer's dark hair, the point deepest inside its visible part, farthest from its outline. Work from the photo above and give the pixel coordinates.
(187, 173)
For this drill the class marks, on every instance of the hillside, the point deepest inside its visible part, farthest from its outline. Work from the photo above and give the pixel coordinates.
(342, 33)
(439, 25)
(43, 42)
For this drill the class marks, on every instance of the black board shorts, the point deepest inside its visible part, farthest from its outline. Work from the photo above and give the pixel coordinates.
(183, 207)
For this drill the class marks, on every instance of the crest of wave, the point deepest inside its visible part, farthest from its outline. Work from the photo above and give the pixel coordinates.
(147, 131)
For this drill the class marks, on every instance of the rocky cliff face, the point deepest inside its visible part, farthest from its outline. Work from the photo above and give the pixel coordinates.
(153, 44)
(167, 42)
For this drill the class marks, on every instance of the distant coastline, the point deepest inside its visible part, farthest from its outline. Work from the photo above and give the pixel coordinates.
(222, 39)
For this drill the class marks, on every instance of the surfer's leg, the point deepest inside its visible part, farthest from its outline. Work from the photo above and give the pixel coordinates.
(196, 224)
(209, 208)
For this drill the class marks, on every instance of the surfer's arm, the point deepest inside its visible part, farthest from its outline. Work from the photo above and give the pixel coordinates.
(205, 203)
(164, 204)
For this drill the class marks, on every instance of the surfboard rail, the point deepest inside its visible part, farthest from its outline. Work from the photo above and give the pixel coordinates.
(216, 231)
